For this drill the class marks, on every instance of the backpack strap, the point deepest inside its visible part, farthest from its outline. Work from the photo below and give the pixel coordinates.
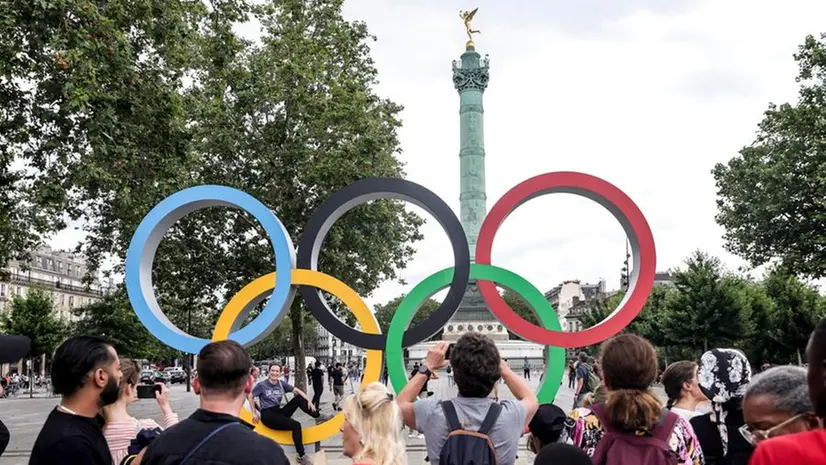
(490, 419)
(204, 441)
(451, 416)
(599, 411)
(665, 426)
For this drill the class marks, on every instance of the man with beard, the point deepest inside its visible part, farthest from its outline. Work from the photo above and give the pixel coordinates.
(86, 372)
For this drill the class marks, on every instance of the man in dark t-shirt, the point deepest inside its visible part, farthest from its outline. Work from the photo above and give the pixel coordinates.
(86, 371)
(337, 375)
(211, 434)
(317, 377)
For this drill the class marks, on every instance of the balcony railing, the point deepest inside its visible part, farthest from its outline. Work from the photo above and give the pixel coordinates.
(19, 278)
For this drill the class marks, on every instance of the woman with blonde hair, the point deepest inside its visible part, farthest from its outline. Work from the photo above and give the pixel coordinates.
(372, 427)
(120, 427)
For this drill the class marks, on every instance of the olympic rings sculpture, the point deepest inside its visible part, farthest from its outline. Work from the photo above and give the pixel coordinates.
(303, 273)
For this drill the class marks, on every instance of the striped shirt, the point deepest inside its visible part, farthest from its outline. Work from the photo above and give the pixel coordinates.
(119, 434)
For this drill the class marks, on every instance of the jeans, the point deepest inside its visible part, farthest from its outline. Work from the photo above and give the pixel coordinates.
(578, 400)
(279, 418)
(571, 380)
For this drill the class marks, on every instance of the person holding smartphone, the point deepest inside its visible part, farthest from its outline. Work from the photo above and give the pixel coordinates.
(120, 427)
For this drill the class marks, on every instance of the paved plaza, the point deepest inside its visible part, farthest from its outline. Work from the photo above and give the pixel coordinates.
(24, 417)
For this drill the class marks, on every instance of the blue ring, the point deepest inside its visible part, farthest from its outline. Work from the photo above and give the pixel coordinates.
(141, 256)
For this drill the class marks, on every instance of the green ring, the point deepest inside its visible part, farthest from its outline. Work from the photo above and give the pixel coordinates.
(434, 283)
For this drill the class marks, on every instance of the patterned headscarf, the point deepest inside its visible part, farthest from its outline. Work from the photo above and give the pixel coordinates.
(724, 375)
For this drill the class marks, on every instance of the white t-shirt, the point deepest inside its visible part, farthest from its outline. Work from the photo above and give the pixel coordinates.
(687, 415)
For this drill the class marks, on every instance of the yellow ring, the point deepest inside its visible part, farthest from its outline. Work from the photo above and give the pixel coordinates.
(343, 292)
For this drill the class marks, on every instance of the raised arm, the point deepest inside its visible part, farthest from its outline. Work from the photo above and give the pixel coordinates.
(435, 360)
(520, 389)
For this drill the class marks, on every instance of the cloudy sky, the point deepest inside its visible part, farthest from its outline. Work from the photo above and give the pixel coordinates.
(647, 94)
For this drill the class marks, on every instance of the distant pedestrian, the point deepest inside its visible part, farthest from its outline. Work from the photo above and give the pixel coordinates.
(526, 369)
(317, 377)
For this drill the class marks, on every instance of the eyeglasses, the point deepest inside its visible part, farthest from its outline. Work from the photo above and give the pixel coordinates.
(753, 436)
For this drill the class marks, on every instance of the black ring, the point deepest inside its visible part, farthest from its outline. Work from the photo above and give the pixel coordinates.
(360, 192)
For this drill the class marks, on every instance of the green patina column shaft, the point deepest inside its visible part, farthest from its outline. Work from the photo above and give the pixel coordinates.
(470, 78)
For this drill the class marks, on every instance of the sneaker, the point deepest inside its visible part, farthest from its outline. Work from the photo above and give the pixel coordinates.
(323, 417)
(304, 460)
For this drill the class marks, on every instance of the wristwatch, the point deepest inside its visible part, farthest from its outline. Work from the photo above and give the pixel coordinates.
(425, 371)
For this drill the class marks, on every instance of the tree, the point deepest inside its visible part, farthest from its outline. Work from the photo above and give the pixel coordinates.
(798, 309)
(34, 317)
(122, 103)
(770, 196)
(521, 307)
(293, 121)
(112, 318)
(647, 324)
(384, 313)
(756, 342)
(706, 311)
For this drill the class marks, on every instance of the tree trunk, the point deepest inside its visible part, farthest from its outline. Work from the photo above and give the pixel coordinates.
(300, 373)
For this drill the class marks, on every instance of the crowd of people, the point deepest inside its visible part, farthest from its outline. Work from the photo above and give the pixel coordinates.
(716, 411)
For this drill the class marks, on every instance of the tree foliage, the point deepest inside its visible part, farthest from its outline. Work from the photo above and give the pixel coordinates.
(119, 104)
(112, 318)
(705, 312)
(33, 316)
(384, 313)
(771, 196)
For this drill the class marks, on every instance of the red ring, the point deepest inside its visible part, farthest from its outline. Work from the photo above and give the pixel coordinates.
(577, 183)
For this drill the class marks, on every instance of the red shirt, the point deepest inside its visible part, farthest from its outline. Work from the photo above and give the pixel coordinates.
(798, 449)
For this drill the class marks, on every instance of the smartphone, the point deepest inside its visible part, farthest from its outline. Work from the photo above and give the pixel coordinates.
(147, 391)
(449, 348)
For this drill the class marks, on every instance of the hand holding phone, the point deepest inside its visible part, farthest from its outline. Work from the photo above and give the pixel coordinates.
(147, 391)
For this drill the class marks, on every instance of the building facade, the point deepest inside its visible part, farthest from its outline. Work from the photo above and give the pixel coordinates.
(329, 349)
(571, 300)
(59, 273)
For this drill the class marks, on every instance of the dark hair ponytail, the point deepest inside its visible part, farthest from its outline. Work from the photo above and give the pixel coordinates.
(677, 374)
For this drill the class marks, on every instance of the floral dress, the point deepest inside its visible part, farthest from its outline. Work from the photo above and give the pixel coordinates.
(587, 432)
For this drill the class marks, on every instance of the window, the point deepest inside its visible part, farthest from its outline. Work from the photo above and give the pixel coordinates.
(60, 267)
(2, 290)
(69, 268)
(19, 291)
(62, 299)
(51, 264)
(44, 263)
(71, 301)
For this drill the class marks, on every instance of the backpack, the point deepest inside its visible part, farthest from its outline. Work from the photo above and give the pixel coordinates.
(464, 447)
(626, 447)
(593, 379)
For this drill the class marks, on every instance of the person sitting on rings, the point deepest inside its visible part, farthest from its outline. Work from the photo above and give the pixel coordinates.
(268, 394)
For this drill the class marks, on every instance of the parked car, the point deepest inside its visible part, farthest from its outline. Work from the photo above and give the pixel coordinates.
(161, 377)
(176, 375)
(148, 377)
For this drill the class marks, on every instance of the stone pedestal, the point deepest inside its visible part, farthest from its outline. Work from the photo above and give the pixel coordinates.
(514, 351)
